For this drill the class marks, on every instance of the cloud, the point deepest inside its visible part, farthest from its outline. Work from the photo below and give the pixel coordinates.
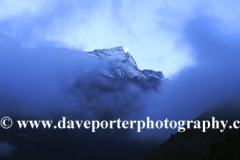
(88, 25)
(39, 82)
(152, 29)
(214, 77)
(45, 80)
(194, 43)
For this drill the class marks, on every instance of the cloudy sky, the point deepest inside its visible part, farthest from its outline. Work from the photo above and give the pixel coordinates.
(199, 39)
(153, 30)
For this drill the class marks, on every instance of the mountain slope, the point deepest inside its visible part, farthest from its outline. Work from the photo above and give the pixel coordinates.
(212, 145)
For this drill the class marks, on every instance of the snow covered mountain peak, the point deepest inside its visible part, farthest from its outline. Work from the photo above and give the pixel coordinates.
(123, 66)
(115, 55)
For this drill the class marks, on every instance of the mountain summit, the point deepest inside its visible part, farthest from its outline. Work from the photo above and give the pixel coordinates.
(121, 65)
(113, 64)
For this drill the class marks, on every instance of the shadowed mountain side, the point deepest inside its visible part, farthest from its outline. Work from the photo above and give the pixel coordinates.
(211, 145)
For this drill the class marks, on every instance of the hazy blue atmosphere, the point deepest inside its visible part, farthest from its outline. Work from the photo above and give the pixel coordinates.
(153, 30)
(45, 73)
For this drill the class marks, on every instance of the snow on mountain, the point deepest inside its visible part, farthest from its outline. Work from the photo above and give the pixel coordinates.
(123, 64)
(121, 61)
(119, 65)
